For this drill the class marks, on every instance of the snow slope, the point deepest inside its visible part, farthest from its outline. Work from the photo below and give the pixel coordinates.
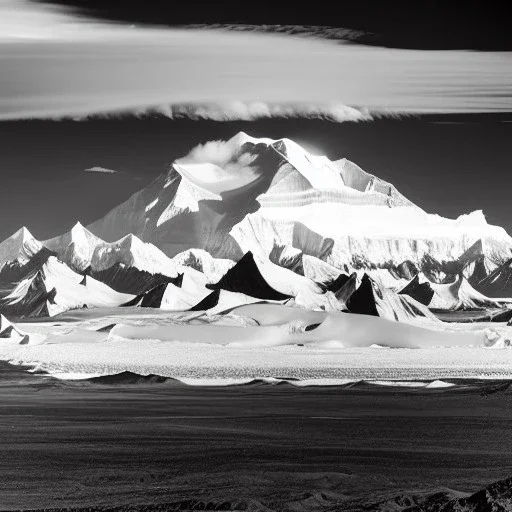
(346, 330)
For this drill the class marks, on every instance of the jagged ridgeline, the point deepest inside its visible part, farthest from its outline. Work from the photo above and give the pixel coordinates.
(323, 234)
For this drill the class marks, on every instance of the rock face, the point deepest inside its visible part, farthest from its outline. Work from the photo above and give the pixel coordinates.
(496, 497)
(272, 197)
(245, 277)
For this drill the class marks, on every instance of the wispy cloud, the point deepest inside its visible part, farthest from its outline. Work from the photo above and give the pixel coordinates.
(323, 32)
(226, 168)
(219, 152)
(56, 65)
(101, 170)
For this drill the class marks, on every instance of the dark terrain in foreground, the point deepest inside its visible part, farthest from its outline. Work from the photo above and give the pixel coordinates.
(149, 444)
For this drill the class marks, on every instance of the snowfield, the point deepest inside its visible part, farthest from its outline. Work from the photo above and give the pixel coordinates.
(260, 342)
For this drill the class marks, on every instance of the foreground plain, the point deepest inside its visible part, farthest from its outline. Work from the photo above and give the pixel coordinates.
(149, 443)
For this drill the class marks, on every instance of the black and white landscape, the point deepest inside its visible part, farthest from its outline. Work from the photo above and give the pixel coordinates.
(301, 300)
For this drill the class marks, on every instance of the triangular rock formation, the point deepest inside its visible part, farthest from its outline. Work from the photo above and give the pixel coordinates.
(245, 277)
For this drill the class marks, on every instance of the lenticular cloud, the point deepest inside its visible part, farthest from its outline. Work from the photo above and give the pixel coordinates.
(58, 65)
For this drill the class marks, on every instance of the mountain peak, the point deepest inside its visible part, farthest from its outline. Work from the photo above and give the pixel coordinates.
(75, 247)
(241, 138)
(79, 232)
(19, 247)
(130, 240)
(23, 234)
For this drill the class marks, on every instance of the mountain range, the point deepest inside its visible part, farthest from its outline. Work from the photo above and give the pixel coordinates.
(304, 220)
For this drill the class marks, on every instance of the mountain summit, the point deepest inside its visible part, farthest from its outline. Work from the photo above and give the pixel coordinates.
(76, 247)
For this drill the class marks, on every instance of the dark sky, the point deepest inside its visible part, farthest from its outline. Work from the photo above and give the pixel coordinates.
(422, 24)
(446, 164)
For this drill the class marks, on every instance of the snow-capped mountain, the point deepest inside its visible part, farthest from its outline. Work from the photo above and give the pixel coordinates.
(251, 194)
(201, 200)
(52, 287)
(81, 249)
(76, 247)
(19, 248)
(129, 265)
(84, 251)
(130, 251)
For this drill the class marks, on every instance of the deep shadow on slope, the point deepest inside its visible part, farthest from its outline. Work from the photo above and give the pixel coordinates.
(130, 279)
(422, 292)
(12, 273)
(362, 300)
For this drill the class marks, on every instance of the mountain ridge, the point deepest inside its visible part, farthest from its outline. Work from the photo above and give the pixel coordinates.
(255, 194)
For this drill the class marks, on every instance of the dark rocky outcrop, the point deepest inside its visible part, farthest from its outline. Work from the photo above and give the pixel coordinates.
(245, 277)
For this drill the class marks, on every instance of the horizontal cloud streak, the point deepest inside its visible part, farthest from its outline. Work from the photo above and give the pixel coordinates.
(322, 32)
(101, 170)
(78, 68)
(247, 111)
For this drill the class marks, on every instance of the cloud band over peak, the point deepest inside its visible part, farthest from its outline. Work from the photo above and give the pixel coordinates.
(69, 67)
